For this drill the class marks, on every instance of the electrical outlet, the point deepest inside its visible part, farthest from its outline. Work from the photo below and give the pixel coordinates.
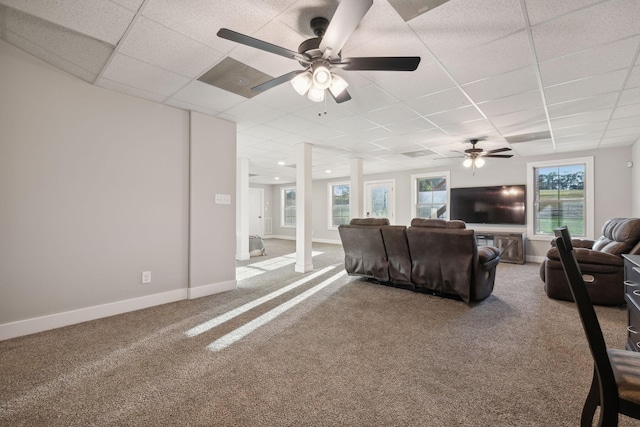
(146, 277)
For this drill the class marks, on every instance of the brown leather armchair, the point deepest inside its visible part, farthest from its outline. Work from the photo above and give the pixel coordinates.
(600, 259)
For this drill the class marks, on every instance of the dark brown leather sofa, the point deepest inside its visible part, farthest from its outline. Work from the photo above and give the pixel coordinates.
(432, 255)
(600, 259)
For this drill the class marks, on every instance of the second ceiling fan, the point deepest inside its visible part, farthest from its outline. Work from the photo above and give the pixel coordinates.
(322, 54)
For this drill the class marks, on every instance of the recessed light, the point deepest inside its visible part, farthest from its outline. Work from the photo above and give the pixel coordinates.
(281, 163)
(277, 178)
(327, 171)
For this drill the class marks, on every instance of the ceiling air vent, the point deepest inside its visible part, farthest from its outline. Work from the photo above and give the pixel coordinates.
(526, 137)
(409, 9)
(236, 77)
(420, 153)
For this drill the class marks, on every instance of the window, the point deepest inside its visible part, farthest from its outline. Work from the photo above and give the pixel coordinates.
(431, 195)
(562, 195)
(288, 213)
(338, 204)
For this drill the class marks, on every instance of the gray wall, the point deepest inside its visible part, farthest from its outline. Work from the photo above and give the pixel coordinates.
(613, 190)
(94, 189)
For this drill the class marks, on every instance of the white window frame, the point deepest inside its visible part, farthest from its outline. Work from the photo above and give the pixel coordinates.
(282, 200)
(414, 190)
(589, 194)
(330, 201)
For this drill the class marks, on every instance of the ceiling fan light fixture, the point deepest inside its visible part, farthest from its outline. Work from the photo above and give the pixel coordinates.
(467, 163)
(479, 162)
(302, 82)
(315, 94)
(338, 85)
(321, 77)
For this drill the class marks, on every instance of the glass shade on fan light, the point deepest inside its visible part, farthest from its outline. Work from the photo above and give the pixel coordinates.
(479, 162)
(338, 84)
(315, 94)
(321, 77)
(467, 163)
(302, 82)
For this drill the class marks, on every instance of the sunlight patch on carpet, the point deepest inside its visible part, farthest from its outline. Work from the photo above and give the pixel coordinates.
(258, 268)
(230, 338)
(210, 324)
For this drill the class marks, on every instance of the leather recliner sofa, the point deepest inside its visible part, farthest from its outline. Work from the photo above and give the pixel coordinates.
(432, 255)
(600, 259)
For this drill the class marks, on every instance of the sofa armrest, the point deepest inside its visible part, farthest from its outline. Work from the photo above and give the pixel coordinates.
(588, 256)
(488, 253)
(578, 243)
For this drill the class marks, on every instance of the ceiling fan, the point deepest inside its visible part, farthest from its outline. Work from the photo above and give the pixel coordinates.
(474, 157)
(323, 53)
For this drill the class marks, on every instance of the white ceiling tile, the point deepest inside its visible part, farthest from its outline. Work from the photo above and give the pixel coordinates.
(292, 123)
(626, 111)
(634, 78)
(589, 86)
(630, 96)
(544, 10)
(133, 5)
(476, 127)
(207, 96)
(373, 134)
(392, 114)
(518, 118)
(500, 56)
(501, 85)
(202, 19)
(442, 101)
(624, 123)
(129, 90)
(535, 148)
(150, 78)
(184, 105)
(524, 128)
(255, 112)
(513, 103)
(49, 57)
(158, 45)
(410, 126)
(368, 98)
(458, 26)
(578, 138)
(265, 132)
(321, 133)
(590, 62)
(626, 131)
(285, 97)
(580, 129)
(577, 146)
(578, 106)
(428, 78)
(352, 124)
(102, 20)
(619, 141)
(593, 26)
(579, 119)
(454, 117)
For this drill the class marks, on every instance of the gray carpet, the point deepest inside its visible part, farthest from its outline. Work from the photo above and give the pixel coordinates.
(350, 353)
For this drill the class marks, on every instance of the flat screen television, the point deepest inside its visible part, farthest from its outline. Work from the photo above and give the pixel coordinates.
(500, 204)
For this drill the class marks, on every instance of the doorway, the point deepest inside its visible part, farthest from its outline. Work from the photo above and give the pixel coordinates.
(379, 199)
(256, 212)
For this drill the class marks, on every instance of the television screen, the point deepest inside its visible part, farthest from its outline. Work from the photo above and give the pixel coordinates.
(501, 204)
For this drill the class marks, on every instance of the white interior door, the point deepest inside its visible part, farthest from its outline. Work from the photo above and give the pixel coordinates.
(256, 212)
(379, 200)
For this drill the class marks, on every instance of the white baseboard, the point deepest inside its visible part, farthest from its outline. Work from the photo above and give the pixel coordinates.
(538, 259)
(214, 288)
(330, 241)
(58, 320)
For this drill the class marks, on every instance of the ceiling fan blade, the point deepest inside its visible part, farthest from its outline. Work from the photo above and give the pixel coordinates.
(277, 81)
(342, 96)
(234, 36)
(380, 63)
(345, 19)
(504, 156)
(498, 150)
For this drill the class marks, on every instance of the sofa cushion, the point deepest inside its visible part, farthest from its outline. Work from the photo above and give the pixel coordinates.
(438, 223)
(619, 236)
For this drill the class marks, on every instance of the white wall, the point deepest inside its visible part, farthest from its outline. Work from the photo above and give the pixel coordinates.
(635, 180)
(94, 189)
(613, 190)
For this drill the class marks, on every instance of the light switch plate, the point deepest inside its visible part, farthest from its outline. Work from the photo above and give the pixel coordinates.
(223, 199)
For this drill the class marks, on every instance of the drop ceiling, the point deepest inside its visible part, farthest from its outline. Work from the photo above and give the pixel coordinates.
(539, 76)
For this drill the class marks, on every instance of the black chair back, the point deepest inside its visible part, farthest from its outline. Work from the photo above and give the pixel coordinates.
(609, 401)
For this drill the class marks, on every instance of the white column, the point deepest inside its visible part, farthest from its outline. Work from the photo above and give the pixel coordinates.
(356, 190)
(242, 209)
(303, 208)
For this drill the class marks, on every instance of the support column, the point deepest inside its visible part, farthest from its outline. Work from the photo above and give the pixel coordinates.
(242, 209)
(356, 190)
(303, 208)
